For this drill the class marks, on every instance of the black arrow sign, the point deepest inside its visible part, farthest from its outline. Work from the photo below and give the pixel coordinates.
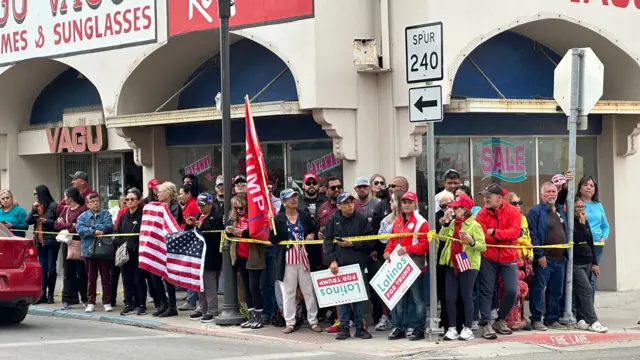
(420, 104)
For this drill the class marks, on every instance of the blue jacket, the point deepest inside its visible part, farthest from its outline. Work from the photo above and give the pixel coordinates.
(538, 219)
(17, 217)
(87, 225)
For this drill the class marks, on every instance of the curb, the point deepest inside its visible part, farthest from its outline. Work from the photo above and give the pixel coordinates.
(114, 319)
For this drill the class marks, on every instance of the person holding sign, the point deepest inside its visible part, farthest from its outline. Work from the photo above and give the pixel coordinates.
(293, 262)
(461, 253)
(410, 318)
(346, 222)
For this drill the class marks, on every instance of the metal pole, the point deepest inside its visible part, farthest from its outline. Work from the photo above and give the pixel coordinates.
(431, 197)
(230, 310)
(573, 129)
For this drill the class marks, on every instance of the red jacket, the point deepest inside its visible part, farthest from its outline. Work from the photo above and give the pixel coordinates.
(190, 209)
(415, 245)
(506, 220)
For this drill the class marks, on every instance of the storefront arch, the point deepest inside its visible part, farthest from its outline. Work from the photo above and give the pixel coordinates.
(556, 33)
(162, 73)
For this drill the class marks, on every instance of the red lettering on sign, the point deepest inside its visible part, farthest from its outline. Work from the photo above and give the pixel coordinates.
(19, 11)
(77, 139)
(52, 137)
(339, 279)
(623, 4)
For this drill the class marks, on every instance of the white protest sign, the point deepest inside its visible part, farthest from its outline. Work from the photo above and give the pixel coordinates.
(345, 288)
(395, 277)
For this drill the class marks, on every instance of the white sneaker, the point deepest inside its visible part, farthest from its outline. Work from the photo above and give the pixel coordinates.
(466, 334)
(474, 325)
(597, 327)
(89, 308)
(582, 325)
(383, 324)
(108, 308)
(452, 334)
(494, 314)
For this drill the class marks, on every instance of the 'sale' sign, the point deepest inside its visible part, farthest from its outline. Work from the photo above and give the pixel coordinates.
(77, 139)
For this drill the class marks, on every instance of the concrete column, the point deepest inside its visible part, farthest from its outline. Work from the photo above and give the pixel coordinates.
(149, 151)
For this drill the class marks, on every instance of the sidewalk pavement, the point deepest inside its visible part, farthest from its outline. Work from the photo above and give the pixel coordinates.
(621, 320)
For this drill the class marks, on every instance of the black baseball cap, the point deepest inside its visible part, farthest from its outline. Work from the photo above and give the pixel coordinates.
(493, 189)
(79, 175)
(240, 179)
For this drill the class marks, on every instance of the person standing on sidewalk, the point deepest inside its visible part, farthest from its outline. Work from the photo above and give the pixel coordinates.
(501, 225)
(293, 263)
(188, 194)
(451, 185)
(410, 313)
(43, 218)
(547, 226)
(134, 279)
(585, 261)
(95, 222)
(80, 181)
(75, 273)
(460, 276)
(208, 219)
(345, 223)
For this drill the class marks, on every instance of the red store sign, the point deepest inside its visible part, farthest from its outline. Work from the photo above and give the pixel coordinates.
(194, 15)
(54, 28)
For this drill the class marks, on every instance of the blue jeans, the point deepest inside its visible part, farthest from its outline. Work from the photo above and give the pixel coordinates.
(551, 278)
(411, 311)
(192, 297)
(267, 285)
(221, 284)
(594, 278)
(47, 257)
(345, 315)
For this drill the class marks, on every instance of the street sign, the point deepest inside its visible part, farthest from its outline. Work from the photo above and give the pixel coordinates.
(590, 85)
(424, 52)
(425, 104)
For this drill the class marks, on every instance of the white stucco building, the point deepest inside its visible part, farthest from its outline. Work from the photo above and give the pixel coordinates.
(146, 76)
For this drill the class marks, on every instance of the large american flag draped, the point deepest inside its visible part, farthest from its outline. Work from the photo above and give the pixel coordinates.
(177, 256)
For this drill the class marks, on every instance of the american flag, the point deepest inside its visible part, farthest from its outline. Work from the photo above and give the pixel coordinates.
(463, 261)
(177, 256)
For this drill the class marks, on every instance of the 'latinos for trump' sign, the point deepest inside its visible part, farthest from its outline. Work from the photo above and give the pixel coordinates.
(395, 277)
(345, 288)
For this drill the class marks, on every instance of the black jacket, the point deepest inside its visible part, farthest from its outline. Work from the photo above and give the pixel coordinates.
(314, 252)
(130, 224)
(583, 249)
(176, 211)
(341, 226)
(50, 215)
(213, 256)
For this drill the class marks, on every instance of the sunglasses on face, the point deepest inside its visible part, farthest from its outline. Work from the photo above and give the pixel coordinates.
(241, 184)
(311, 183)
(444, 206)
(132, 199)
(517, 203)
(335, 187)
(378, 183)
(239, 208)
(220, 186)
(393, 186)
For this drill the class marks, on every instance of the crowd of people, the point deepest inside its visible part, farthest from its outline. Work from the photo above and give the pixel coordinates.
(485, 270)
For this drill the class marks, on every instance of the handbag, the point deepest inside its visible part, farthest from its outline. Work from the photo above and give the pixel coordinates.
(74, 250)
(102, 248)
(64, 236)
(122, 255)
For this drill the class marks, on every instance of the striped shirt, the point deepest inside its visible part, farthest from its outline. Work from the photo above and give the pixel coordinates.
(296, 254)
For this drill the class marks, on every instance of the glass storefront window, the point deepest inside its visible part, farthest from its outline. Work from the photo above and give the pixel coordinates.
(451, 153)
(553, 157)
(316, 156)
(509, 162)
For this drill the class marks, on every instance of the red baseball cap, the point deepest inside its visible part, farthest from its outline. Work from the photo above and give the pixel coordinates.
(153, 184)
(308, 176)
(409, 196)
(462, 201)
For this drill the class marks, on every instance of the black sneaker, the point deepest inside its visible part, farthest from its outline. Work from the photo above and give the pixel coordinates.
(396, 334)
(416, 335)
(171, 311)
(207, 318)
(195, 316)
(343, 334)
(126, 311)
(142, 310)
(362, 334)
(159, 310)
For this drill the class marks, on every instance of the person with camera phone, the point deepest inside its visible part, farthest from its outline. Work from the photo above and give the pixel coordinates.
(43, 216)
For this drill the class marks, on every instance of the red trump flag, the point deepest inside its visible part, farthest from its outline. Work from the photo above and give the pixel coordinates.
(258, 199)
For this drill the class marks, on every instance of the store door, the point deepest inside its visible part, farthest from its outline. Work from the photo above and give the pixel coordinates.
(72, 163)
(109, 169)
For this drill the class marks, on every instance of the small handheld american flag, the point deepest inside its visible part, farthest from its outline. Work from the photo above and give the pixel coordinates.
(462, 260)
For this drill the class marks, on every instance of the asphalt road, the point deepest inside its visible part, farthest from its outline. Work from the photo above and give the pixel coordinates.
(51, 339)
